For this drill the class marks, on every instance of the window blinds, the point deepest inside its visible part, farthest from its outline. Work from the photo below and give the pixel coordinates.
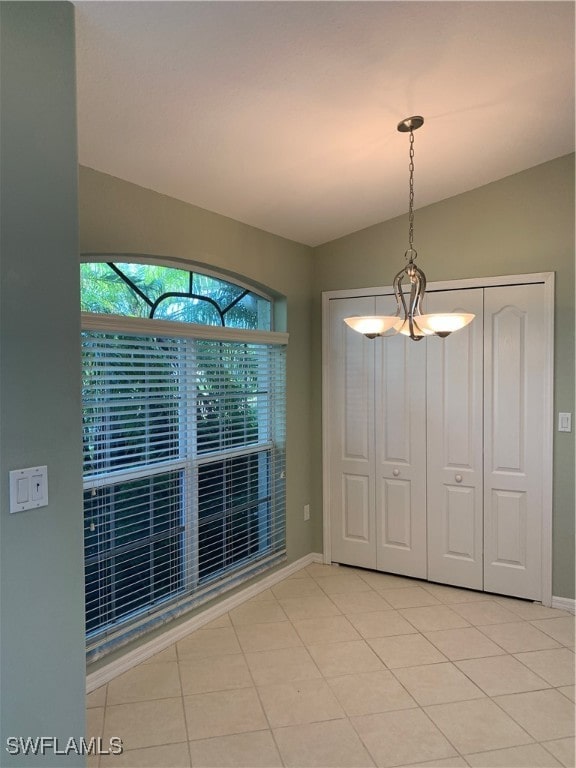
(184, 488)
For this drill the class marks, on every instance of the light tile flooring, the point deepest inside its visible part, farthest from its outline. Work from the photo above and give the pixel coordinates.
(337, 667)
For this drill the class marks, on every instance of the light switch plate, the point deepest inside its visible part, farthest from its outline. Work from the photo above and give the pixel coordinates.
(28, 488)
(564, 422)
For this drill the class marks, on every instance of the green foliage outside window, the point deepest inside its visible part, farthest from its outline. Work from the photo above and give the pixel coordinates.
(166, 293)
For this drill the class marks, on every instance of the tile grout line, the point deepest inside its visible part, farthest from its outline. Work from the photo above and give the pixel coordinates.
(491, 696)
(543, 745)
(495, 700)
(270, 729)
(571, 646)
(520, 620)
(183, 704)
(548, 683)
(104, 714)
(460, 754)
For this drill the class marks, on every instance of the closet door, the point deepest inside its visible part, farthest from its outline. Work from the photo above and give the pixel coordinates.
(455, 463)
(351, 414)
(513, 439)
(400, 420)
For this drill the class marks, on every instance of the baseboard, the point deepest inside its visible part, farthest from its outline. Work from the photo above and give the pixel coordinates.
(146, 650)
(564, 604)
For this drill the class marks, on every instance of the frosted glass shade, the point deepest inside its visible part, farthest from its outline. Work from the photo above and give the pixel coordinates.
(443, 323)
(373, 325)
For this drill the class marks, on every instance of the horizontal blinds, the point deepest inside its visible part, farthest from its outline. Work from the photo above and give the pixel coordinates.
(183, 470)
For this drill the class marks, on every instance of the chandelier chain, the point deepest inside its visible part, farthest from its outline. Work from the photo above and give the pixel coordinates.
(411, 250)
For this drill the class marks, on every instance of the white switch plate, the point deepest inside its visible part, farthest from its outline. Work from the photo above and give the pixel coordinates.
(28, 488)
(564, 422)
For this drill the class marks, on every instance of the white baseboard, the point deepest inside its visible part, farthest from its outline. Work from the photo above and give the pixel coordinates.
(564, 604)
(146, 650)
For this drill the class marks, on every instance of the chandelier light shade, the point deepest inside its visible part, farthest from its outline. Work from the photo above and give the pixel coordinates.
(409, 319)
(374, 325)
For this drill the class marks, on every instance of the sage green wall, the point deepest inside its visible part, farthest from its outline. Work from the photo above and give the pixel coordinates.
(119, 217)
(523, 223)
(42, 663)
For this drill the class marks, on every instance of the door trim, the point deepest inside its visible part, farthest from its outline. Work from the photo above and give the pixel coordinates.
(547, 278)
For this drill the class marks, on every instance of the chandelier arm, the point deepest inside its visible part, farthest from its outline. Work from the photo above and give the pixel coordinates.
(399, 293)
(420, 280)
(415, 292)
(414, 299)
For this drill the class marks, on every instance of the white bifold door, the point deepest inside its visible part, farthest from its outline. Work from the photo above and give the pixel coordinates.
(351, 440)
(400, 451)
(435, 446)
(455, 412)
(377, 444)
(514, 366)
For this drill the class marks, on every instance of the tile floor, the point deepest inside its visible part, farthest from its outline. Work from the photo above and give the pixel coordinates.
(337, 667)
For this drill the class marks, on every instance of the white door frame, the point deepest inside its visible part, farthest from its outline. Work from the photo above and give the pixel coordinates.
(547, 278)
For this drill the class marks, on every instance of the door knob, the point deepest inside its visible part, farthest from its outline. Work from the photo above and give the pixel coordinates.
(395, 472)
(458, 478)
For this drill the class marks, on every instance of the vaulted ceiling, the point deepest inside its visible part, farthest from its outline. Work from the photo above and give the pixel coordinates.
(283, 115)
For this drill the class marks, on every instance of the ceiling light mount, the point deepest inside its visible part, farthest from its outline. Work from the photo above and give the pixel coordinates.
(411, 124)
(409, 319)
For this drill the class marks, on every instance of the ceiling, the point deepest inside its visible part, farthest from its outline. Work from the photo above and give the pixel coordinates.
(283, 115)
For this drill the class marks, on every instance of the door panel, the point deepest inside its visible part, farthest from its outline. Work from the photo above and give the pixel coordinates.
(513, 434)
(454, 444)
(397, 528)
(355, 508)
(351, 409)
(508, 402)
(460, 524)
(509, 528)
(400, 437)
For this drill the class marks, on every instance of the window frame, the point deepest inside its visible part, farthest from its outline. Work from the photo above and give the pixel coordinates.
(192, 592)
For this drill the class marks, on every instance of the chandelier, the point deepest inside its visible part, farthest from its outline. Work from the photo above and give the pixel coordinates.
(409, 319)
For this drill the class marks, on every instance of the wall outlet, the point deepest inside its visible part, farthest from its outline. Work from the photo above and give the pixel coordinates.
(307, 512)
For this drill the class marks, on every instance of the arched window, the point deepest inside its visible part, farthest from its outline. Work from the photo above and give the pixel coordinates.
(171, 293)
(183, 426)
